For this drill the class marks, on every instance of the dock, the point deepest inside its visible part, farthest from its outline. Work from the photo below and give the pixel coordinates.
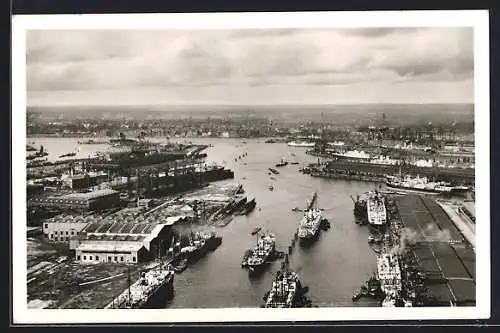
(440, 248)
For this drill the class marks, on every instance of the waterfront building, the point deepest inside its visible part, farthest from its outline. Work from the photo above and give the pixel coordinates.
(62, 227)
(127, 236)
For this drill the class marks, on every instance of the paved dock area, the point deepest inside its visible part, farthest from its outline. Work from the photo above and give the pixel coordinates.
(440, 248)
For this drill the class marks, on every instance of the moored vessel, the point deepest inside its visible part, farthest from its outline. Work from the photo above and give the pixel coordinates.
(301, 144)
(376, 211)
(152, 289)
(200, 244)
(422, 184)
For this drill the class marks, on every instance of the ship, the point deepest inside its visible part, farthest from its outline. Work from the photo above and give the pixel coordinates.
(389, 272)
(360, 212)
(286, 290)
(92, 142)
(276, 172)
(422, 184)
(282, 163)
(149, 292)
(256, 230)
(199, 245)
(181, 265)
(30, 148)
(38, 154)
(301, 144)
(310, 224)
(67, 155)
(259, 256)
(376, 212)
(248, 207)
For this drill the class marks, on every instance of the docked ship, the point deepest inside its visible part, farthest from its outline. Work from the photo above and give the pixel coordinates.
(376, 211)
(422, 184)
(149, 292)
(200, 244)
(286, 290)
(301, 144)
(259, 256)
(389, 275)
(310, 224)
(92, 142)
(247, 208)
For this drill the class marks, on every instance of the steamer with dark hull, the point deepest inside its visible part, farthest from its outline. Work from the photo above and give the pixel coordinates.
(262, 254)
(287, 290)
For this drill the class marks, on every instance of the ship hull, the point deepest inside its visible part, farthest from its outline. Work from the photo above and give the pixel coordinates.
(425, 190)
(210, 245)
(309, 238)
(159, 296)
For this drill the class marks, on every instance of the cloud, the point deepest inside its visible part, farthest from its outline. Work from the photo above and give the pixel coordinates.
(126, 60)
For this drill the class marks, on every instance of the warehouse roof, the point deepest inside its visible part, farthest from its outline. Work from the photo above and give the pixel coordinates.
(109, 247)
(89, 195)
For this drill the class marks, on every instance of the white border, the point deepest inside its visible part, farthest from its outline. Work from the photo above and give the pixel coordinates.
(477, 19)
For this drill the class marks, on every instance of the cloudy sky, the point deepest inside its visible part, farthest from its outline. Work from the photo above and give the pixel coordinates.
(254, 66)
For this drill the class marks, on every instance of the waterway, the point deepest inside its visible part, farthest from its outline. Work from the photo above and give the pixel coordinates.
(340, 261)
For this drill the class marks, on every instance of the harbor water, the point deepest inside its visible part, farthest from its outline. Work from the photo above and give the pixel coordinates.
(336, 264)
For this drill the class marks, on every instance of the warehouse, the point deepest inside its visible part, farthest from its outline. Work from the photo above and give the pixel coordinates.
(126, 236)
(62, 227)
(100, 199)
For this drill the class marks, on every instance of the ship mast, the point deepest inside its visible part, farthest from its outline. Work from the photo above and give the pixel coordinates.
(128, 281)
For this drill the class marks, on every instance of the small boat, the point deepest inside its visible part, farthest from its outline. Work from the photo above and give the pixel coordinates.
(276, 172)
(281, 163)
(272, 178)
(294, 163)
(271, 187)
(256, 230)
(67, 155)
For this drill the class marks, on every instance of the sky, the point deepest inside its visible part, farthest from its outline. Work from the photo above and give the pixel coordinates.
(250, 66)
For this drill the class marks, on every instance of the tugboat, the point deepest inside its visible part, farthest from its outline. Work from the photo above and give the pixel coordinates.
(256, 230)
(287, 290)
(282, 163)
(259, 256)
(360, 212)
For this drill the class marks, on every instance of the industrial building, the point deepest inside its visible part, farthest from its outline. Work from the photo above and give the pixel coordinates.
(62, 227)
(100, 199)
(84, 180)
(127, 236)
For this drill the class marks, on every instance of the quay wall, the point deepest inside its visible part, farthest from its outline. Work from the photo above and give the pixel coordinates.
(377, 172)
